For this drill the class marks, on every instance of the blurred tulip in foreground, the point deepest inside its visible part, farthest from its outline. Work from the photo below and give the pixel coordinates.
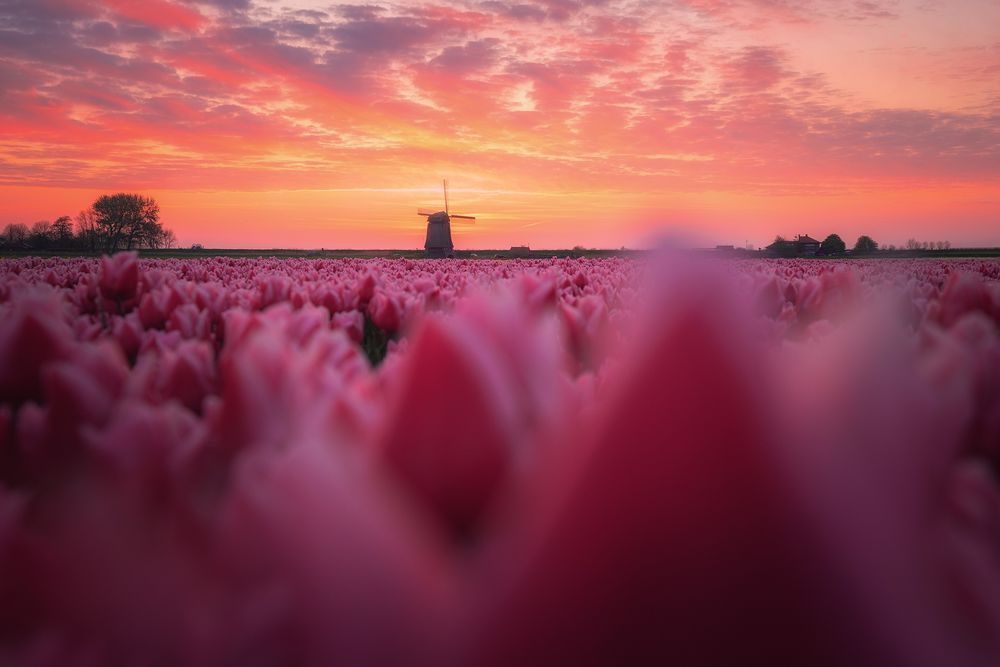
(486, 462)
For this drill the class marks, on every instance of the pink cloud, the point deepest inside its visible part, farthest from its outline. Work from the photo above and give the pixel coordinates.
(157, 13)
(555, 93)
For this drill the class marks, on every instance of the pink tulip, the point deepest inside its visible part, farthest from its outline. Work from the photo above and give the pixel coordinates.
(556, 462)
(33, 332)
(447, 439)
(965, 293)
(119, 277)
(186, 374)
(386, 312)
(352, 323)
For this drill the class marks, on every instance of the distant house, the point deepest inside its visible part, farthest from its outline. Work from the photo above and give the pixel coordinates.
(520, 251)
(803, 246)
(806, 244)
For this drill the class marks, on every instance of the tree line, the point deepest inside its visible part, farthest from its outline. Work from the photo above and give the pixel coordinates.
(831, 245)
(834, 245)
(866, 244)
(115, 222)
(913, 244)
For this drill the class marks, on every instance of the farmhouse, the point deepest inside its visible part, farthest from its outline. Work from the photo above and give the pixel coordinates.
(806, 244)
(803, 246)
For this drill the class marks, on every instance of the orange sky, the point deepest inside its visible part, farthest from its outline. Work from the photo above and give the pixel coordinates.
(297, 123)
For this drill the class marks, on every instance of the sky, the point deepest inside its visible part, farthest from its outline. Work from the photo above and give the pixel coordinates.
(601, 123)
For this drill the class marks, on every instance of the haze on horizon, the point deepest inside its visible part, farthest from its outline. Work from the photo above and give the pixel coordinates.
(299, 123)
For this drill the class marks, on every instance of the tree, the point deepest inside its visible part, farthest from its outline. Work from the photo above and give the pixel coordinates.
(126, 221)
(865, 244)
(62, 232)
(87, 232)
(15, 234)
(168, 239)
(149, 235)
(41, 234)
(832, 244)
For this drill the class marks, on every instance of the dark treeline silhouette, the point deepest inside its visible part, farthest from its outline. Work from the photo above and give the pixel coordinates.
(831, 246)
(834, 246)
(913, 244)
(112, 223)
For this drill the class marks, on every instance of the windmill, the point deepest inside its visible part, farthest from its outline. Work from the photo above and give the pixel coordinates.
(438, 243)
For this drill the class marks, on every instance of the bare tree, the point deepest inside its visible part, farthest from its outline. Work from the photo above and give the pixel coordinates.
(15, 234)
(62, 232)
(41, 234)
(87, 232)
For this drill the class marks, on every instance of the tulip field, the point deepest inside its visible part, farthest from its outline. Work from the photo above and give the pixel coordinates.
(663, 461)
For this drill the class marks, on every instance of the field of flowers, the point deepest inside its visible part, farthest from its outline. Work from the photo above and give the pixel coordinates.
(546, 462)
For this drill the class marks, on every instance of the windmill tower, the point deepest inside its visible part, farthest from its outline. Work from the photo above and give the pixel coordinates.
(438, 243)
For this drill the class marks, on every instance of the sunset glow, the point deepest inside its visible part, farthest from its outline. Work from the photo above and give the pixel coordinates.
(308, 124)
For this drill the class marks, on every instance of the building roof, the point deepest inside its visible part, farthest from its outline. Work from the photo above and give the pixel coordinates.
(805, 238)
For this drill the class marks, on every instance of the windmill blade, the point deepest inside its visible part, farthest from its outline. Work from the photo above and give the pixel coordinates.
(426, 212)
(445, 181)
(463, 219)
